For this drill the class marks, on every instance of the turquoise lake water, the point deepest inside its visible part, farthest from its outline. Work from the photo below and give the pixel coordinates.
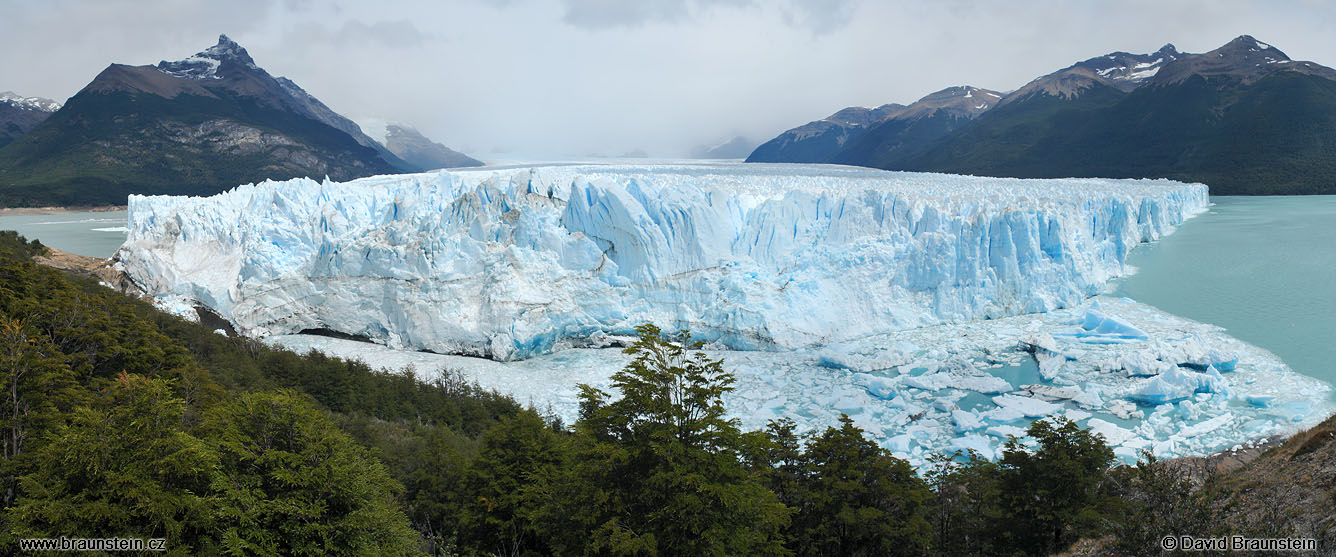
(92, 234)
(1264, 268)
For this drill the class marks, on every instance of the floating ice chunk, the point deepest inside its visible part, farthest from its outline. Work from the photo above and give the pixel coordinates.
(1050, 364)
(880, 387)
(1002, 415)
(1123, 409)
(1050, 393)
(974, 442)
(1114, 434)
(1077, 415)
(1202, 428)
(1177, 384)
(1140, 363)
(845, 356)
(966, 420)
(1189, 411)
(1193, 352)
(849, 404)
(900, 443)
(1098, 328)
(1089, 398)
(1026, 406)
(981, 382)
(1005, 431)
(1260, 401)
(1039, 341)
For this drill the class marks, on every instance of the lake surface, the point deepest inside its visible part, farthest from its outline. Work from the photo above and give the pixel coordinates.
(1264, 268)
(95, 234)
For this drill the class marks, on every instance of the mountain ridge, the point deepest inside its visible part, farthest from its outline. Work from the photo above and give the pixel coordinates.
(193, 126)
(409, 144)
(1243, 118)
(20, 114)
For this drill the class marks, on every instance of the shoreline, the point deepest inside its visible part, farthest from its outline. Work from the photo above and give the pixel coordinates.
(26, 211)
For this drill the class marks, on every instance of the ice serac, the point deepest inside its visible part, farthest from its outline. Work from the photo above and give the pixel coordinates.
(511, 263)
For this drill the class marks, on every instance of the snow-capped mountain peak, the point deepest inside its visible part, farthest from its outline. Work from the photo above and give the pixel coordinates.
(1244, 59)
(205, 64)
(29, 103)
(1132, 68)
(1124, 71)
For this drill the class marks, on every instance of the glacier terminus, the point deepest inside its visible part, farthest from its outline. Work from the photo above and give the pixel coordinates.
(515, 263)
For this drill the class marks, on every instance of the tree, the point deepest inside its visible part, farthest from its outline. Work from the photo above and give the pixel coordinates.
(662, 462)
(1052, 493)
(505, 485)
(776, 455)
(966, 505)
(857, 499)
(1160, 499)
(39, 389)
(291, 482)
(122, 468)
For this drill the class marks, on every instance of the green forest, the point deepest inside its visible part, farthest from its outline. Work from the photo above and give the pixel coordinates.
(120, 420)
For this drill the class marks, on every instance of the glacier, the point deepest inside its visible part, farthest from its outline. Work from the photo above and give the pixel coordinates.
(513, 263)
(940, 312)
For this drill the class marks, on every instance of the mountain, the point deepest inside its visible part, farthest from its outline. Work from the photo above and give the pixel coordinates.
(1243, 118)
(410, 145)
(193, 126)
(915, 127)
(737, 148)
(1120, 70)
(818, 141)
(19, 114)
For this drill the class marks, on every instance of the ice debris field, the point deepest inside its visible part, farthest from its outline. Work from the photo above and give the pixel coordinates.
(941, 312)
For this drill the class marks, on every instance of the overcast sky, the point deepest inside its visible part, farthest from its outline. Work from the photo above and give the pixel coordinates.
(576, 77)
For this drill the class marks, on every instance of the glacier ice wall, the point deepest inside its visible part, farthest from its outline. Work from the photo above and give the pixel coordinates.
(510, 263)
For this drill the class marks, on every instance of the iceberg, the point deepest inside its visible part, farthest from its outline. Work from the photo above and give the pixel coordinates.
(517, 262)
(1178, 384)
(1098, 328)
(1114, 434)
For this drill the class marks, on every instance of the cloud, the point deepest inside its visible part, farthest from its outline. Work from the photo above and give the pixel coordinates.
(819, 16)
(601, 14)
(393, 34)
(554, 77)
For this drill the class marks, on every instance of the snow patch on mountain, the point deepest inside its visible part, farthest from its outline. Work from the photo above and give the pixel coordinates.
(205, 64)
(29, 103)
